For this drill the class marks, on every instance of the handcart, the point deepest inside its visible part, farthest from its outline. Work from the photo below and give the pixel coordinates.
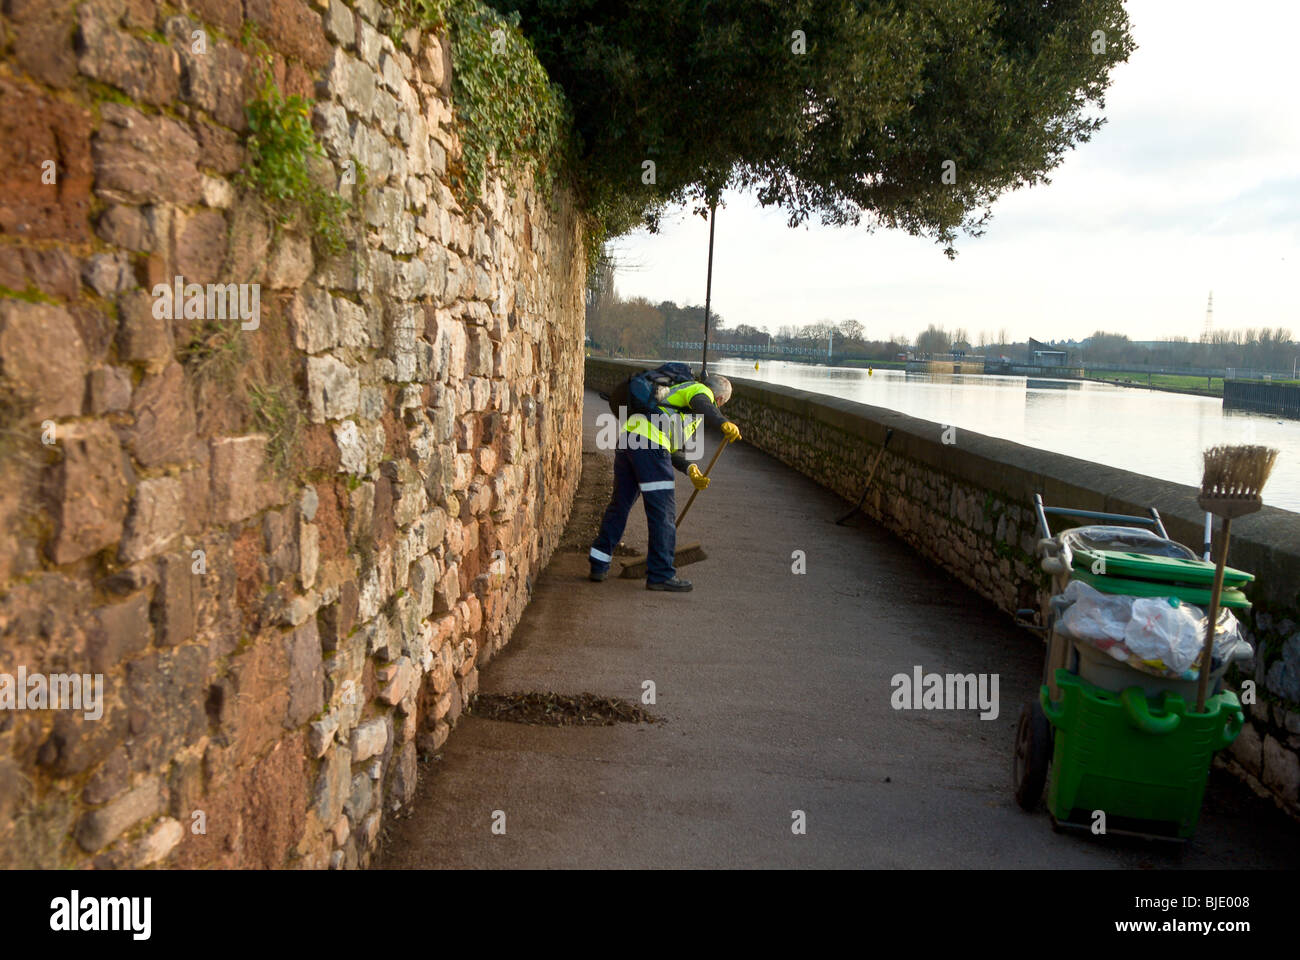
(1110, 735)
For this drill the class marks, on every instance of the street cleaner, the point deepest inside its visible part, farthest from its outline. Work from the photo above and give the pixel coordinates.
(662, 408)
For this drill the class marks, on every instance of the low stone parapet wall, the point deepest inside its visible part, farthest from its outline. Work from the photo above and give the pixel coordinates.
(965, 501)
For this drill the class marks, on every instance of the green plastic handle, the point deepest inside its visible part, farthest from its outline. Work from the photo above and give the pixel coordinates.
(1233, 727)
(1135, 707)
(1052, 711)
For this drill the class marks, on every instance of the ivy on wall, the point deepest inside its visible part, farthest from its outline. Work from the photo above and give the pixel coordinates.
(281, 145)
(513, 119)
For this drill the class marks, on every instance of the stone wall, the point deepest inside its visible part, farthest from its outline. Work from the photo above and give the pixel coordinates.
(964, 500)
(287, 545)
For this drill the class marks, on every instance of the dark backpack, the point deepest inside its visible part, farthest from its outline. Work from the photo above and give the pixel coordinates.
(637, 392)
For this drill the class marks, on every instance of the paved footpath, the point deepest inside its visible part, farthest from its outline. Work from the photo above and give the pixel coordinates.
(776, 688)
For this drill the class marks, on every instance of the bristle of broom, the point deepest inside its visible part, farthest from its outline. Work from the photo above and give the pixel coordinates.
(1237, 471)
(692, 555)
(635, 569)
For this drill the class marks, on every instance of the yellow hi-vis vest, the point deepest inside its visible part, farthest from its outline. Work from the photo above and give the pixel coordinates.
(682, 425)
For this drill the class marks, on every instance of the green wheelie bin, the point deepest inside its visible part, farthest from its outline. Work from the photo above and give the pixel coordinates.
(1143, 761)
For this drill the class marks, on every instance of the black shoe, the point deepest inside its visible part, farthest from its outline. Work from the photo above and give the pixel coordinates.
(674, 585)
(596, 576)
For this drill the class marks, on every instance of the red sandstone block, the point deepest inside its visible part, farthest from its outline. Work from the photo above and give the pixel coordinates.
(43, 139)
(291, 27)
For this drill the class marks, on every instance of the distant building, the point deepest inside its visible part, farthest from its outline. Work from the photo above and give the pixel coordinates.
(1042, 355)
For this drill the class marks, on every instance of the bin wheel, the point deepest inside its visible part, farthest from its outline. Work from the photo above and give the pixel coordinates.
(1033, 754)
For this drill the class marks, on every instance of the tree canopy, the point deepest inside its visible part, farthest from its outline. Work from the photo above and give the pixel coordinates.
(914, 114)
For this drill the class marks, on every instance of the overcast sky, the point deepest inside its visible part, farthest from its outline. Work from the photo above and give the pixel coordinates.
(1193, 185)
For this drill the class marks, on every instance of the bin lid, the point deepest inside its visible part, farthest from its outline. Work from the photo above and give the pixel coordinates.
(1231, 596)
(1142, 566)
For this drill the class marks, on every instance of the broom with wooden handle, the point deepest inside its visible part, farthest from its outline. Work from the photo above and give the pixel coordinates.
(1230, 487)
(695, 493)
(692, 552)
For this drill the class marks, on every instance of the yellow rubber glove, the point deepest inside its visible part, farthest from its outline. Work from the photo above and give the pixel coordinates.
(697, 478)
(731, 431)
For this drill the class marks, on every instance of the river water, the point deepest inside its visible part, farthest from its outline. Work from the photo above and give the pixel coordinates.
(1146, 431)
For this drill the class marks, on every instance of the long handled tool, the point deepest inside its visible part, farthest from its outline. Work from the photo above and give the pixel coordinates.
(695, 493)
(1230, 488)
(693, 552)
(889, 433)
(708, 291)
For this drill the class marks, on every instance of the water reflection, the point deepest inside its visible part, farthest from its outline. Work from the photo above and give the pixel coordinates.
(1055, 385)
(1147, 431)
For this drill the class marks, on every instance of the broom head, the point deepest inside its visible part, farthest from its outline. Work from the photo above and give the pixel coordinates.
(635, 567)
(1234, 478)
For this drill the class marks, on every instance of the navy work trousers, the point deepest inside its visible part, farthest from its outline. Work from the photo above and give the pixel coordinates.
(647, 473)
